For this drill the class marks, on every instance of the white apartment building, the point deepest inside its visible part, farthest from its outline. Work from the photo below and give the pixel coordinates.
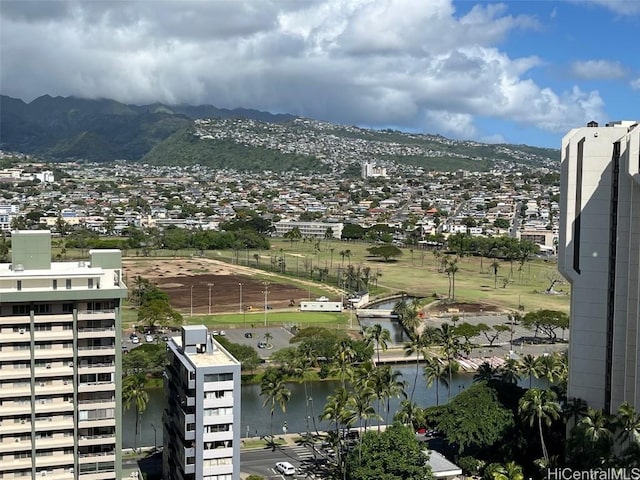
(599, 254)
(309, 229)
(202, 409)
(371, 170)
(60, 360)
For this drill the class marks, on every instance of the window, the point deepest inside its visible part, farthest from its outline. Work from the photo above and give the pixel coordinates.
(42, 308)
(90, 283)
(55, 284)
(68, 283)
(20, 309)
(19, 285)
(218, 377)
(67, 307)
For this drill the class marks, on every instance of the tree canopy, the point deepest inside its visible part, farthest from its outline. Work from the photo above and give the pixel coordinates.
(474, 418)
(385, 251)
(379, 457)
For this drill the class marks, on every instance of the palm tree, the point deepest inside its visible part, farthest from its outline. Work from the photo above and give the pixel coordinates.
(548, 367)
(303, 366)
(509, 371)
(342, 365)
(436, 372)
(417, 345)
(485, 373)
(274, 389)
(495, 265)
(529, 366)
(574, 410)
(450, 342)
(510, 471)
(134, 393)
(392, 386)
(335, 410)
(379, 335)
(451, 269)
(539, 406)
(628, 421)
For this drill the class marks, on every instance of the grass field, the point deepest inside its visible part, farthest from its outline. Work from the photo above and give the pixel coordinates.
(416, 272)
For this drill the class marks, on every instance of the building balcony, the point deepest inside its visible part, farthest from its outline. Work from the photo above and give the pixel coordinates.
(9, 410)
(55, 460)
(16, 463)
(97, 403)
(14, 355)
(53, 369)
(93, 368)
(53, 318)
(94, 475)
(90, 387)
(54, 353)
(54, 407)
(14, 429)
(217, 453)
(50, 335)
(16, 373)
(98, 422)
(218, 436)
(84, 458)
(10, 445)
(57, 388)
(106, 314)
(14, 392)
(15, 319)
(90, 440)
(22, 335)
(54, 423)
(54, 442)
(102, 350)
(96, 332)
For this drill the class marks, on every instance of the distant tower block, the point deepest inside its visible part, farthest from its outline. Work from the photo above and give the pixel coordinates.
(371, 170)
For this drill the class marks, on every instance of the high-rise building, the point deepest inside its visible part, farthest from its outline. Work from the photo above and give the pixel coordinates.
(202, 410)
(60, 359)
(599, 254)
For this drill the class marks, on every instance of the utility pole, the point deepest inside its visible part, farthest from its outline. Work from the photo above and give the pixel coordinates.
(191, 301)
(210, 285)
(240, 285)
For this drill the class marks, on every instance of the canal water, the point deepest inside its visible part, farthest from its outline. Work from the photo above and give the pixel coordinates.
(255, 419)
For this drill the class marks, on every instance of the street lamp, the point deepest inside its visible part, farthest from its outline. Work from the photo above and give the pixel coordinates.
(155, 437)
(210, 285)
(266, 292)
(240, 285)
(191, 302)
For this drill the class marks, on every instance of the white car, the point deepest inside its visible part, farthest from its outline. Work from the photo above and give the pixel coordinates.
(285, 468)
(148, 338)
(135, 339)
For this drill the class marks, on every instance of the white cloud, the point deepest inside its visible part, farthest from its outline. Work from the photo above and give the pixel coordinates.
(622, 7)
(598, 70)
(408, 63)
(635, 84)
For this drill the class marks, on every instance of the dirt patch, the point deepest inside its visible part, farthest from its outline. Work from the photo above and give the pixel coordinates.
(460, 307)
(186, 284)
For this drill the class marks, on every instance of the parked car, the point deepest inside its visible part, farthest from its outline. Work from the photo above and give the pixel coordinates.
(248, 335)
(222, 333)
(285, 468)
(215, 332)
(149, 338)
(262, 344)
(135, 339)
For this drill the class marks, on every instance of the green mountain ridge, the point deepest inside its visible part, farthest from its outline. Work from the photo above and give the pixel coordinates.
(64, 128)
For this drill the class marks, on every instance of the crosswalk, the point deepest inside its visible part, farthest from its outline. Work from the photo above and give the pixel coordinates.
(302, 452)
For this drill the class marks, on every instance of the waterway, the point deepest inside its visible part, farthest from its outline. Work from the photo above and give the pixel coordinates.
(255, 420)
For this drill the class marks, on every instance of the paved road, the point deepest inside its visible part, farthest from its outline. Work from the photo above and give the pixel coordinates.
(263, 461)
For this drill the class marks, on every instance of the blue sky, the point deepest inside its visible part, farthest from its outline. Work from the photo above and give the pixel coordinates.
(515, 71)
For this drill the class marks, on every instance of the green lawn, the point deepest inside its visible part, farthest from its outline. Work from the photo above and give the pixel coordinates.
(257, 319)
(417, 273)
